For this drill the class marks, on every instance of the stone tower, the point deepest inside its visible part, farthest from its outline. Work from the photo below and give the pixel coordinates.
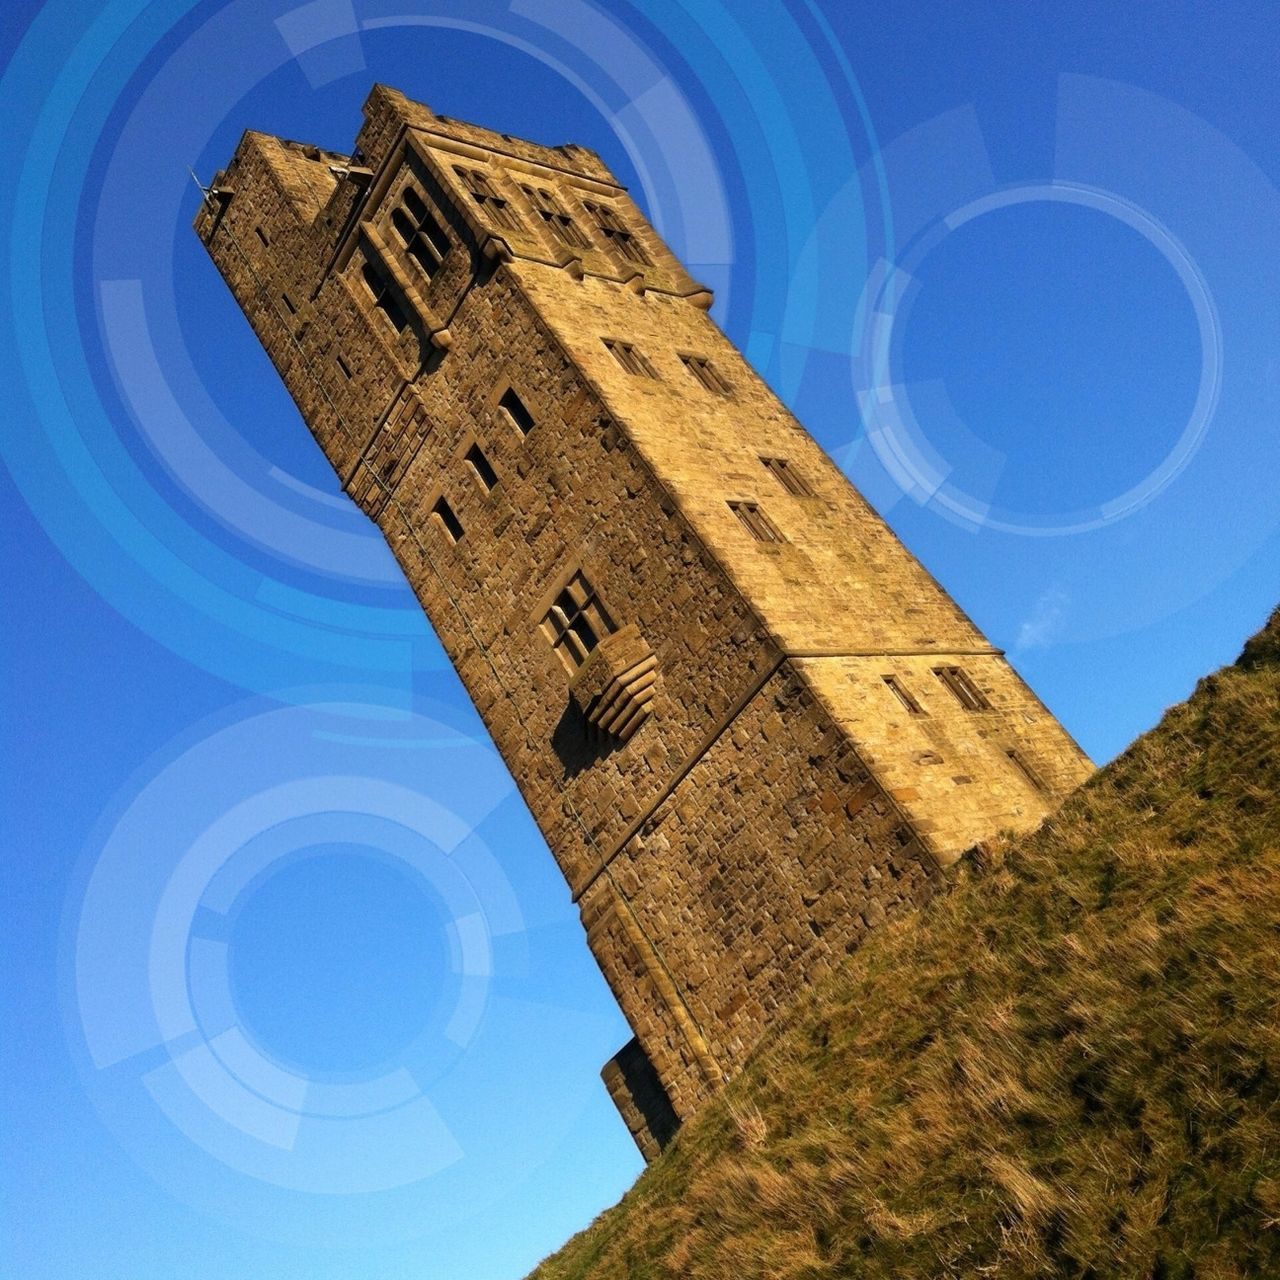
(750, 726)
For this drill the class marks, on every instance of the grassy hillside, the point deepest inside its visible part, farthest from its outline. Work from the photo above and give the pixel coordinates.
(1067, 1066)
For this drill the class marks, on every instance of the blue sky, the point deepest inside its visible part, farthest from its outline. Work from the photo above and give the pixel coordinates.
(296, 988)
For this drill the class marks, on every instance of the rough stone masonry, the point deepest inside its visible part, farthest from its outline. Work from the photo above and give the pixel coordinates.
(750, 726)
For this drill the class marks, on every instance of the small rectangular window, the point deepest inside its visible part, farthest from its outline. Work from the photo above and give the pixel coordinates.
(482, 191)
(448, 521)
(576, 622)
(343, 366)
(966, 693)
(629, 358)
(288, 302)
(423, 237)
(262, 235)
(1026, 770)
(705, 372)
(513, 407)
(903, 694)
(615, 232)
(787, 476)
(485, 474)
(555, 218)
(385, 296)
(755, 521)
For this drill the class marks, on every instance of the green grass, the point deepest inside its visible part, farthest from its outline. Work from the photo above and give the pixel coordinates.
(1068, 1065)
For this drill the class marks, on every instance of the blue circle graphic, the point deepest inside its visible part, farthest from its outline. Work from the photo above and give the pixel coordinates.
(336, 961)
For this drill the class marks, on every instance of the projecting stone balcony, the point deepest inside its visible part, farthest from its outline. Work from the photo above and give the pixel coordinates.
(615, 687)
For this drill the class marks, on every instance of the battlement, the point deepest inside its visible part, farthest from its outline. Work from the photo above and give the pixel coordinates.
(750, 725)
(388, 112)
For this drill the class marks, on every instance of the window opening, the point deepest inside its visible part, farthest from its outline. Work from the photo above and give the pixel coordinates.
(702, 369)
(482, 191)
(424, 238)
(903, 694)
(576, 622)
(1026, 770)
(787, 476)
(448, 520)
(514, 408)
(629, 358)
(755, 521)
(385, 297)
(966, 693)
(484, 471)
(557, 220)
(612, 228)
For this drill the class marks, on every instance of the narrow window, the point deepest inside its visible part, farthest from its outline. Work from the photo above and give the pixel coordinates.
(629, 358)
(576, 622)
(787, 476)
(262, 235)
(554, 217)
(385, 297)
(615, 232)
(967, 694)
(448, 521)
(288, 302)
(343, 366)
(903, 695)
(404, 226)
(705, 372)
(481, 190)
(485, 474)
(755, 522)
(414, 204)
(1026, 770)
(513, 407)
(424, 238)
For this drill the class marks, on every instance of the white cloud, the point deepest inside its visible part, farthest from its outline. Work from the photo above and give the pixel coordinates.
(1044, 623)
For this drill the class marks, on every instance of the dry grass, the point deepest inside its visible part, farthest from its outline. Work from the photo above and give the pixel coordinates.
(1067, 1066)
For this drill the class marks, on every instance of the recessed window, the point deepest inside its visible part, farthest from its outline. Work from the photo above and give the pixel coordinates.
(385, 296)
(482, 191)
(419, 230)
(288, 302)
(787, 476)
(449, 522)
(513, 407)
(755, 522)
(262, 235)
(555, 218)
(966, 693)
(614, 230)
(343, 367)
(629, 358)
(705, 372)
(576, 622)
(903, 694)
(1026, 770)
(485, 475)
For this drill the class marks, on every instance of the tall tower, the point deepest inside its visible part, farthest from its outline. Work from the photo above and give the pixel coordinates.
(750, 726)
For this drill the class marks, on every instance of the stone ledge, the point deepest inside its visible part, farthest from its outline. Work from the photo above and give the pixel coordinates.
(616, 685)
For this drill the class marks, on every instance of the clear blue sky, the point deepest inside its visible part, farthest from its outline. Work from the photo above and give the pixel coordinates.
(294, 987)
